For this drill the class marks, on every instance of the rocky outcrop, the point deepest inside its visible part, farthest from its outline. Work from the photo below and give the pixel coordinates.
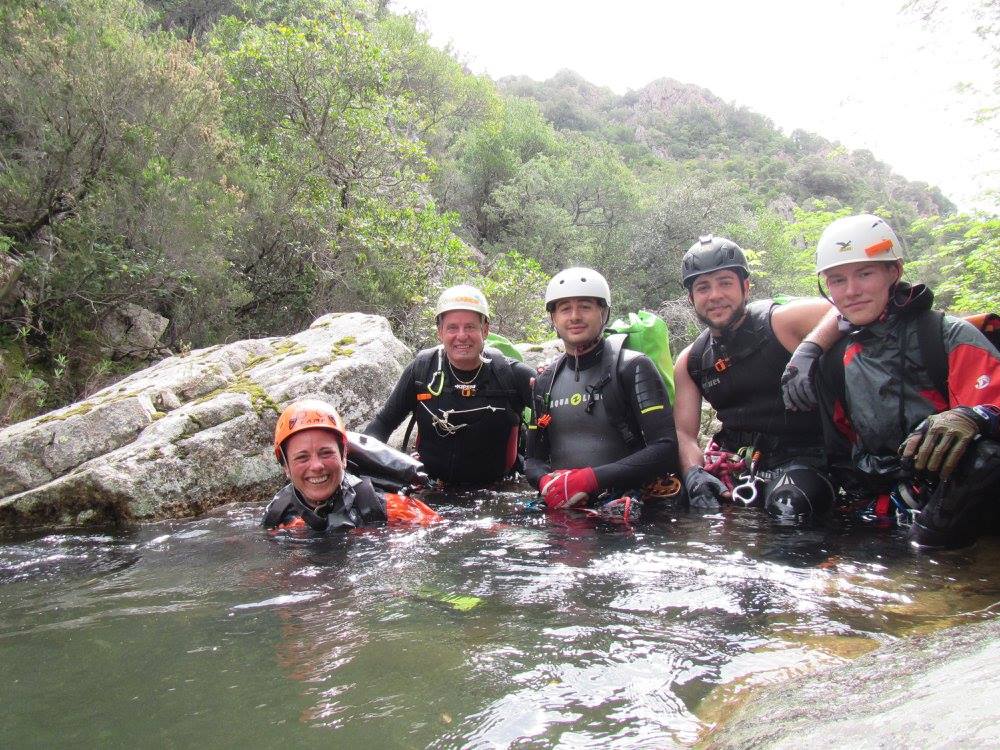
(938, 690)
(666, 96)
(192, 431)
(132, 331)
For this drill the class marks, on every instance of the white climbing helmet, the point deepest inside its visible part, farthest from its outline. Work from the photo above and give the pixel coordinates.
(577, 282)
(854, 239)
(462, 297)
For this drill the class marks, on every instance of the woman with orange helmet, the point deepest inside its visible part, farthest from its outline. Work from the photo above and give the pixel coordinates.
(310, 443)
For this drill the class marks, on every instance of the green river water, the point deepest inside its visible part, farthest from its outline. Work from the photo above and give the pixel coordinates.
(493, 629)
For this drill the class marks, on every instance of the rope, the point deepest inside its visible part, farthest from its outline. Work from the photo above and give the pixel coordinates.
(723, 464)
(443, 425)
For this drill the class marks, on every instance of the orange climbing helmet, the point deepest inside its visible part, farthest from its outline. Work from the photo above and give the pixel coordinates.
(308, 414)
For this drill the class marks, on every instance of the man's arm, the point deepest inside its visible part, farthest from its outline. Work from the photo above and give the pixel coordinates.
(687, 414)
(811, 319)
(396, 408)
(807, 328)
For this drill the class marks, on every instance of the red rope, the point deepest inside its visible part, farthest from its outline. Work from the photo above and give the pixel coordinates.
(723, 464)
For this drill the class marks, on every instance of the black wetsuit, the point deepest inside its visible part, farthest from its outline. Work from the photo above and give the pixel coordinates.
(355, 504)
(739, 374)
(580, 432)
(482, 446)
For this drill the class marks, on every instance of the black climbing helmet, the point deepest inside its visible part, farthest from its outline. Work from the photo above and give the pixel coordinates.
(712, 253)
(799, 494)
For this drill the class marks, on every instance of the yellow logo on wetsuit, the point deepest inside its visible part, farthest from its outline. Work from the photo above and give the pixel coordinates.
(574, 400)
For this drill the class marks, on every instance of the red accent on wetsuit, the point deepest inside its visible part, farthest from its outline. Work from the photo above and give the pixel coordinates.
(850, 353)
(935, 399)
(842, 423)
(973, 376)
(511, 459)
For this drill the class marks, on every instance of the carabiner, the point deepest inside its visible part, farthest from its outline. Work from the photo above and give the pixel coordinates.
(746, 491)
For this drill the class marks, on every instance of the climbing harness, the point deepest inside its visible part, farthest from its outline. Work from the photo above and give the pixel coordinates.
(442, 424)
(749, 487)
(665, 486)
(899, 507)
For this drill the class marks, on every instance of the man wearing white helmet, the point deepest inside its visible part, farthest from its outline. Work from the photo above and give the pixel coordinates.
(922, 446)
(466, 399)
(603, 423)
(754, 365)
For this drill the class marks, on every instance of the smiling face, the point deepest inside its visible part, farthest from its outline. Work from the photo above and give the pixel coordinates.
(720, 298)
(861, 290)
(579, 322)
(314, 464)
(463, 334)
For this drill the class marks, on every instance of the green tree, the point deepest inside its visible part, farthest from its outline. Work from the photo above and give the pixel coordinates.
(963, 264)
(488, 156)
(110, 188)
(573, 206)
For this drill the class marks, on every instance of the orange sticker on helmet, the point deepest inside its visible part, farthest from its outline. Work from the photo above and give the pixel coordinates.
(878, 248)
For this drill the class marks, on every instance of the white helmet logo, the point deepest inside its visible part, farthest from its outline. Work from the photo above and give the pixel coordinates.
(982, 382)
(844, 247)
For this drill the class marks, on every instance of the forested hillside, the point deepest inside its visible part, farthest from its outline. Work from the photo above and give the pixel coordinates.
(241, 168)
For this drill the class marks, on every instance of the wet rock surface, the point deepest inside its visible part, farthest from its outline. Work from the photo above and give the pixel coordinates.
(193, 431)
(938, 690)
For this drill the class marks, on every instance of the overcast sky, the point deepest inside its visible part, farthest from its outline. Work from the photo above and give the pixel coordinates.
(857, 71)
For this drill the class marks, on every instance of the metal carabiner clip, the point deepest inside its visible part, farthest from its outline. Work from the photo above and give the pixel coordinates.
(746, 491)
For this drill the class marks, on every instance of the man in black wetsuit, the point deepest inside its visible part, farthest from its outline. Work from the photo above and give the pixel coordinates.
(467, 399)
(740, 365)
(602, 423)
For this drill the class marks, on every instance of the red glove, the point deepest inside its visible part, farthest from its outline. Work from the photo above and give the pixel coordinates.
(568, 487)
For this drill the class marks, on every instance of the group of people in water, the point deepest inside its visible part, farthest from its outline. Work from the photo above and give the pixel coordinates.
(863, 400)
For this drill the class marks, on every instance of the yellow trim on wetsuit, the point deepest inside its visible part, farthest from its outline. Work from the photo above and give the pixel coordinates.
(651, 408)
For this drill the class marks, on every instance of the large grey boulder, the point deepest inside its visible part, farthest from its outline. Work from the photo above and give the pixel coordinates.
(536, 355)
(192, 431)
(132, 331)
(938, 690)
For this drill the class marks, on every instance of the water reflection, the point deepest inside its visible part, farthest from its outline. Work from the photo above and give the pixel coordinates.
(494, 629)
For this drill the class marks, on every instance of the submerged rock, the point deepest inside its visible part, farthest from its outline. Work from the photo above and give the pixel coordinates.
(193, 431)
(938, 690)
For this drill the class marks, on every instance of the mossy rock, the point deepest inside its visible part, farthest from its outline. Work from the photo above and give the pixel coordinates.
(84, 408)
(288, 347)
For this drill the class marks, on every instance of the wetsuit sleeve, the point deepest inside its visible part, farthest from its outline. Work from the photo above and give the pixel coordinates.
(973, 365)
(650, 407)
(536, 450)
(398, 406)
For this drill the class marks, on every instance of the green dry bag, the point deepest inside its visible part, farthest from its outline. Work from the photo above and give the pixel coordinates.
(647, 333)
(504, 344)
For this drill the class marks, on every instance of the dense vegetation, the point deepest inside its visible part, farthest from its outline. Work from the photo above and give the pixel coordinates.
(241, 168)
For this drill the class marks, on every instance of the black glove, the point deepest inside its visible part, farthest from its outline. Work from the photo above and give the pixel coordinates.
(703, 489)
(797, 388)
(938, 443)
